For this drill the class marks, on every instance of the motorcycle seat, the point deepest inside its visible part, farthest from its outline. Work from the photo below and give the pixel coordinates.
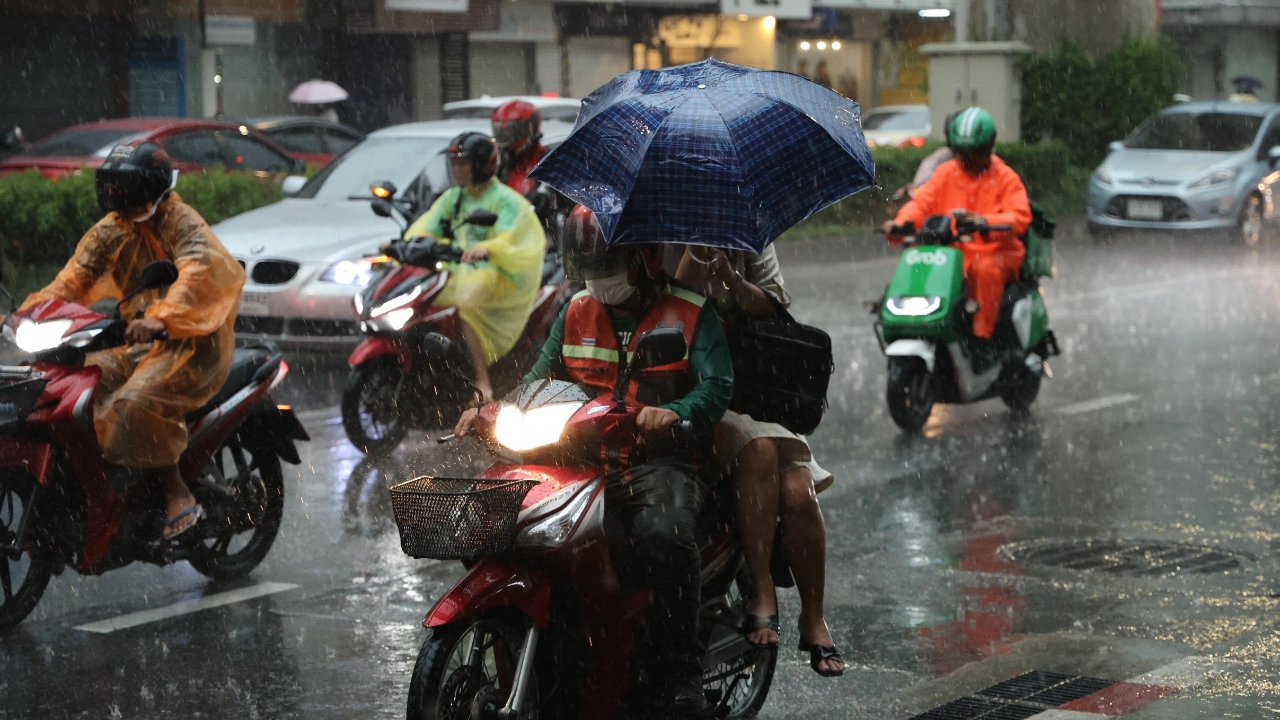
(246, 363)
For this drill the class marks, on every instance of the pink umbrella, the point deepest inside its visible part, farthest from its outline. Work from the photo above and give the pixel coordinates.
(317, 92)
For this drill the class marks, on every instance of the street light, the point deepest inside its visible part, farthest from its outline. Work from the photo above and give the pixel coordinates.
(935, 13)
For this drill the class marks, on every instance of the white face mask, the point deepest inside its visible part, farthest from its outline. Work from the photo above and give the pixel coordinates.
(612, 290)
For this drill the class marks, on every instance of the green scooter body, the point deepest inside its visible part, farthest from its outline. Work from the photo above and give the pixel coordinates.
(926, 272)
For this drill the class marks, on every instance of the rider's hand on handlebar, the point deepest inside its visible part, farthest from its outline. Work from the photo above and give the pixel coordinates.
(143, 331)
(465, 423)
(475, 254)
(653, 420)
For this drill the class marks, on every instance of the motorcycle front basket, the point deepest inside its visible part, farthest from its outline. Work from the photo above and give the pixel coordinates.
(454, 519)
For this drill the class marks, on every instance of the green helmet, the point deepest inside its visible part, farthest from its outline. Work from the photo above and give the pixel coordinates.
(973, 128)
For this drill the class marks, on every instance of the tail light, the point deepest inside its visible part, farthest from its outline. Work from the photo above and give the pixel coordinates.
(914, 141)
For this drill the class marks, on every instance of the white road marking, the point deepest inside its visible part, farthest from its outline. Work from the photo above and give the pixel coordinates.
(1182, 674)
(1067, 715)
(319, 414)
(1101, 403)
(186, 607)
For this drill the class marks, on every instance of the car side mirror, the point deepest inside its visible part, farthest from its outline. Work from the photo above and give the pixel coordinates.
(482, 218)
(1273, 156)
(659, 347)
(380, 207)
(158, 274)
(292, 185)
(383, 189)
(1115, 146)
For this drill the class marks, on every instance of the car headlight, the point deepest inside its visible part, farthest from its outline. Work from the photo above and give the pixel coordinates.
(1217, 177)
(350, 272)
(914, 305)
(1103, 175)
(541, 426)
(552, 530)
(34, 337)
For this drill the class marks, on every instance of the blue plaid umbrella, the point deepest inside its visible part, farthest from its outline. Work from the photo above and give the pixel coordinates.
(709, 154)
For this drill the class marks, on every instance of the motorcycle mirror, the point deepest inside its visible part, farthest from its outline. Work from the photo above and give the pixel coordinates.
(659, 347)
(482, 218)
(380, 207)
(383, 189)
(158, 274)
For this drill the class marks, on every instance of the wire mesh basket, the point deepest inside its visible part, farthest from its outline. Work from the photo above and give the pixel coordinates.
(452, 518)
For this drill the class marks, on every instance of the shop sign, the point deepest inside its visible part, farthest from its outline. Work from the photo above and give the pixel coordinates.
(786, 9)
(439, 6)
(223, 30)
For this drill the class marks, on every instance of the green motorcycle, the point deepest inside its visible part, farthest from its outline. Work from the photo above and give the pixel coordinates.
(925, 324)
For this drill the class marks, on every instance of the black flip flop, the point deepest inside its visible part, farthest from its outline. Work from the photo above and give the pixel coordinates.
(756, 623)
(818, 653)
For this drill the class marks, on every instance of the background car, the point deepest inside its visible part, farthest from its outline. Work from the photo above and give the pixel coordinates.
(306, 255)
(897, 125)
(194, 145)
(1207, 166)
(553, 108)
(313, 140)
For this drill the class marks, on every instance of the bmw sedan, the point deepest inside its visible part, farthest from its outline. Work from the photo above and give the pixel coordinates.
(306, 255)
(1207, 166)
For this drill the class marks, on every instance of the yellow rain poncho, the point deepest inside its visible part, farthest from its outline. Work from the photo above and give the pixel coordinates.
(146, 389)
(495, 296)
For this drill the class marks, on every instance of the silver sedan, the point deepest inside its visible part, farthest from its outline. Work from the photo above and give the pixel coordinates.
(1196, 166)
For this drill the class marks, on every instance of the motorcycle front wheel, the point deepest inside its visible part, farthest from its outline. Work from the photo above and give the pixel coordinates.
(466, 670)
(1022, 391)
(737, 686)
(23, 575)
(911, 392)
(242, 493)
(371, 412)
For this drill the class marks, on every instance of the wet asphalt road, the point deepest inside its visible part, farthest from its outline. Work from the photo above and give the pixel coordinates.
(1160, 424)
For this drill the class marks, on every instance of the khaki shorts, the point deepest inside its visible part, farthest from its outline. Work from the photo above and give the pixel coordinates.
(735, 431)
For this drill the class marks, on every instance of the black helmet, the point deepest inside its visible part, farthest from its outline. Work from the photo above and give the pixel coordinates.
(135, 175)
(478, 149)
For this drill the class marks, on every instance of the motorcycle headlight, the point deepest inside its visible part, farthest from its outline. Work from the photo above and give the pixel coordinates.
(552, 530)
(34, 337)
(1217, 177)
(542, 426)
(396, 319)
(350, 272)
(398, 301)
(914, 305)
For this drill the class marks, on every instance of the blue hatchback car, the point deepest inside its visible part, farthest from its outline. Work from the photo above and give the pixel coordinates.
(1206, 166)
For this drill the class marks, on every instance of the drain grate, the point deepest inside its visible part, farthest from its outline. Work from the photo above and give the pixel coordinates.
(1020, 697)
(1125, 557)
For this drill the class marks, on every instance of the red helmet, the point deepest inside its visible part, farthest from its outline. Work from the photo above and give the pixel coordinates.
(517, 125)
(587, 256)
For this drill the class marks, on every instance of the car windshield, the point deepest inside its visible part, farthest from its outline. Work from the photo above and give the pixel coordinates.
(398, 159)
(896, 120)
(1207, 132)
(80, 143)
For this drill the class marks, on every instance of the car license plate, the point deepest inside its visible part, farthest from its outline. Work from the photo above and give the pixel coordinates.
(1146, 209)
(254, 303)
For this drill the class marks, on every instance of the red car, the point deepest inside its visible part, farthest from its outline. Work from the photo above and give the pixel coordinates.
(193, 144)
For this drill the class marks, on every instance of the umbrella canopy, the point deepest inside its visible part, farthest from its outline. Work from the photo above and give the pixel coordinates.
(317, 92)
(709, 154)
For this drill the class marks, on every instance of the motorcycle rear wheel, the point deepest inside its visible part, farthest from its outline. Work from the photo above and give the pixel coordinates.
(18, 599)
(371, 412)
(466, 665)
(256, 480)
(911, 392)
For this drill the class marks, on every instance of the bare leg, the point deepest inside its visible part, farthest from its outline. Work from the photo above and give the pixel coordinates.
(804, 542)
(755, 486)
(177, 495)
(478, 364)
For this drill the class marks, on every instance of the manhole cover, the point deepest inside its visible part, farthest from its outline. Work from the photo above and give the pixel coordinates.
(1125, 557)
(1024, 696)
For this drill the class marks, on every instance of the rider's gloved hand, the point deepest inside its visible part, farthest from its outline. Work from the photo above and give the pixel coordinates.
(465, 423)
(653, 420)
(143, 331)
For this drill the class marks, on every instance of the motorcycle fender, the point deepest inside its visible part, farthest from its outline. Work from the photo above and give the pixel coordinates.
(376, 346)
(492, 584)
(277, 426)
(1030, 320)
(922, 349)
(32, 456)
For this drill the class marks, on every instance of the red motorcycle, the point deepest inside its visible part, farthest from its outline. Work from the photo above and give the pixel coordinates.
(541, 626)
(60, 506)
(408, 372)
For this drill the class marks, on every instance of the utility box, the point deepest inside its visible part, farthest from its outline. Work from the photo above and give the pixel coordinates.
(986, 74)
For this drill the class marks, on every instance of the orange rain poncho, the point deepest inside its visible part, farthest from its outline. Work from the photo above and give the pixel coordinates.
(999, 196)
(146, 389)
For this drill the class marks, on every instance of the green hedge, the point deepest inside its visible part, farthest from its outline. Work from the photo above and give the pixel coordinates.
(1088, 103)
(44, 219)
(1045, 168)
